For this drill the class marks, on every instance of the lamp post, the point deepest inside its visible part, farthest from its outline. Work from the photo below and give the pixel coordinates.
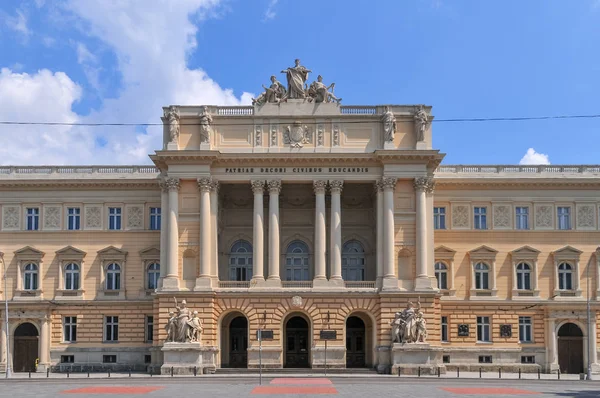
(7, 374)
(589, 324)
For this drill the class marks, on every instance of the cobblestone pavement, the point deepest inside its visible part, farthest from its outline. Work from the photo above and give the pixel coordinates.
(242, 386)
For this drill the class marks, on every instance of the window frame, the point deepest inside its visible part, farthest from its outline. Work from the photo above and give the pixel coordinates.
(441, 275)
(564, 218)
(149, 328)
(154, 218)
(567, 274)
(525, 327)
(155, 273)
(483, 329)
(444, 329)
(32, 220)
(522, 275)
(69, 323)
(242, 250)
(76, 272)
(520, 216)
(34, 276)
(113, 277)
(304, 257)
(481, 272)
(480, 218)
(360, 255)
(115, 218)
(74, 220)
(439, 217)
(111, 322)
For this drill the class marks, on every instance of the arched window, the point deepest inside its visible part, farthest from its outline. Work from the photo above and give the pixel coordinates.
(153, 274)
(72, 276)
(30, 277)
(523, 276)
(296, 261)
(482, 276)
(113, 277)
(240, 261)
(441, 274)
(353, 261)
(565, 276)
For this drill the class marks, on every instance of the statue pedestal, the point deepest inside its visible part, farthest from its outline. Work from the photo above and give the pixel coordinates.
(409, 357)
(183, 357)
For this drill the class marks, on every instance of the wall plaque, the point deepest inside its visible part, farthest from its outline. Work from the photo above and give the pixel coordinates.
(263, 334)
(328, 335)
(505, 331)
(463, 330)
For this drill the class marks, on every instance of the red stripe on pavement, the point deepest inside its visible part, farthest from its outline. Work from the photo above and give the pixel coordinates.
(293, 390)
(489, 391)
(112, 390)
(297, 380)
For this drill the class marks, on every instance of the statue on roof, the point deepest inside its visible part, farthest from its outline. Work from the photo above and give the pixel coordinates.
(319, 92)
(421, 122)
(389, 124)
(205, 125)
(296, 79)
(171, 116)
(273, 94)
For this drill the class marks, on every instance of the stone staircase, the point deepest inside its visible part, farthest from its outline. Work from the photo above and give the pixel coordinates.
(291, 371)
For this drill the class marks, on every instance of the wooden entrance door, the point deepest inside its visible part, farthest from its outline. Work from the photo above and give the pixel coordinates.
(297, 346)
(570, 348)
(355, 343)
(238, 343)
(25, 348)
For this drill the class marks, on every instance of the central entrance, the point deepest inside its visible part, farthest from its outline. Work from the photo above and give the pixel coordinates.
(297, 348)
(570, 348)
(238, 342)
(25, 348)
(355, 343)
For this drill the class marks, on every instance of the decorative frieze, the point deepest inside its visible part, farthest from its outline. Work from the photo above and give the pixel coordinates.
(586, 216)
(258, 135)
(544, 216)
(320, 135)
(93, 217)
(52, 217)
(460, 216)
(502, 216)
(335, 135)
(135, 217)
(11, 217)
(273, 135)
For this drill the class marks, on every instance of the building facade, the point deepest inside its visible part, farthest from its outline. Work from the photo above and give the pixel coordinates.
(297, 215)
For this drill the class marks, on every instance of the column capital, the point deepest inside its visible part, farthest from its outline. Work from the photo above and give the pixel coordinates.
(378, 186)
(335, 186)
(274, 186)
(424, 184)
(215, 185)
(172, 184)
(204, 184)
(258, 186)
(389, 183)
(319, 186)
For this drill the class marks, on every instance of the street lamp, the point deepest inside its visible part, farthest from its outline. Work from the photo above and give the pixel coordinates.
(7, 374)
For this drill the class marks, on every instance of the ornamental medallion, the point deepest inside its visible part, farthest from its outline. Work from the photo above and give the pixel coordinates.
(296, 135)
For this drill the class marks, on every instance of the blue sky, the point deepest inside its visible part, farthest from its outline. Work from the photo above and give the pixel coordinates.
(109, 61)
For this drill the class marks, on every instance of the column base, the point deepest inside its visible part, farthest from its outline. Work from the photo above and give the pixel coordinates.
(170, 283)
(273, 283)
(389, 283)
(203, 283)
(257, 283)
(320, 283)
(423, 283)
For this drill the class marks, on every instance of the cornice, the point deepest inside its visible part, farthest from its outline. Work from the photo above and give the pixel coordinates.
(493, 183)
(88, 184)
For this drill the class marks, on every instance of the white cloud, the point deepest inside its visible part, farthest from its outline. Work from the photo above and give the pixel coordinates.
(18, 23)
(532, 157)
(270, 11)
(151, 41)
(84, 55)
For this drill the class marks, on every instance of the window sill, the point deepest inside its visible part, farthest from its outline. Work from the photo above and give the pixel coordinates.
(525, 294)
(567, 294)
(484, 342)
(483, 294)
(24, 295)
(111, 294)
(527, 342)
(110, 342)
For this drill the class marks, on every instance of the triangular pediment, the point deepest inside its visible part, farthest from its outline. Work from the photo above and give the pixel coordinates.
(29, 251)
(150, 252)
(525, 250)
(70, 251)
(112, 251)
(483, 249)
(567, 250)
(444, 250)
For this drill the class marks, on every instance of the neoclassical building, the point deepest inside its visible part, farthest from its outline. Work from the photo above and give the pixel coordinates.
(297, 215)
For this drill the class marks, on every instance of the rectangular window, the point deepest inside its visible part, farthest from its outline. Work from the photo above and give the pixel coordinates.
(439, 218)
(483, 328)
(444, 334)
(525, 334)
(485, 359)
(70, 329)
(33, 218)
(109, 358)
(114, 218)
(74, 218)
(564, 217)
(147, 358)
(522, 215)
(528, 359)
(446, 358)
(111, 328)
(149, 328)
(155, 218)
(67, 359)
(480, 217)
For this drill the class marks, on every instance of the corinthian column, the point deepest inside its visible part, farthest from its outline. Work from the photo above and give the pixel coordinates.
(335, 187)
(204, 185)
(379, 258)
(422, 185)
(214, 241)
(44, 344)
(390, 279)
(164, 217)
(320, 238)
(258, 270)
(171, 280)
(274, 189)
(3, 337)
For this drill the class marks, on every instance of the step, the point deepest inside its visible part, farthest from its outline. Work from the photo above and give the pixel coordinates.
(295, 371)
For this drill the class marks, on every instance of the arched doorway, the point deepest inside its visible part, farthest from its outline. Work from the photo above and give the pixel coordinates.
(570, 348)
(297, 347)
(234, 341)
(25, 348)
(355, 343)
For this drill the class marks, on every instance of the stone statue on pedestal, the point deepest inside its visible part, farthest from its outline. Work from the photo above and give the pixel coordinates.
(409, 325)
(421, 122)
(296, 79)
(195, 328)
(205, 125)
(319, 92)
(171, 327)
(172, 117)
(273, 94)
(389, 124)
(183, 326)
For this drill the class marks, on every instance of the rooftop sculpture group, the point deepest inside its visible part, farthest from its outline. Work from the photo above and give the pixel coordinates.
(297, 88)
(183, 326)
(409, 325)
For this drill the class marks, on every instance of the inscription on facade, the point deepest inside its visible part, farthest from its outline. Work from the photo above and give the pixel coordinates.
(299, 170)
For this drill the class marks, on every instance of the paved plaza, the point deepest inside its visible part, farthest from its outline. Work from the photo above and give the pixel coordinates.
(294, 386)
